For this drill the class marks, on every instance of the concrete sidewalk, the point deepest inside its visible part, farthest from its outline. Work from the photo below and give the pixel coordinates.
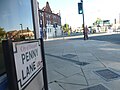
(77, 64)
(80, 36)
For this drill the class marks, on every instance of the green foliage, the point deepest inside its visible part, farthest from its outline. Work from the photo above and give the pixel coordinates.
(2, 32)
(97, 22)
(65, 28)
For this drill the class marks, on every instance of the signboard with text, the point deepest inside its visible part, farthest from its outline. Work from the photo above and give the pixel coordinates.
(28, 61)
(25, 64)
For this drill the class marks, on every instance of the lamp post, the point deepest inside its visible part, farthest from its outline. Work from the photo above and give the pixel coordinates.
(21, 28)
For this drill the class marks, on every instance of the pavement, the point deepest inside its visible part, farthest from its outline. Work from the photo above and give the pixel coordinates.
(77, 64)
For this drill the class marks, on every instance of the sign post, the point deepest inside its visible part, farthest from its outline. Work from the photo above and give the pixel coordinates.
(24, 61)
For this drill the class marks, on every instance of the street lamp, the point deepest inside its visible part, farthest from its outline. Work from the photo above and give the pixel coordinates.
(21, 28)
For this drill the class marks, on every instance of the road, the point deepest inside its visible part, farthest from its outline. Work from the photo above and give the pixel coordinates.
(113, 38)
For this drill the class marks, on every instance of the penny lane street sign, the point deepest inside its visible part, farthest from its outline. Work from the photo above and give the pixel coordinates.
(27, 60)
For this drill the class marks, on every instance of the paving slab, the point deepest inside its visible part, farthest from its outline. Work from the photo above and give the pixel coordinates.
(53, 76)
(71, 86)
(69, 70)
(55, 86)
(94, 65)
(96, 87)
(113, 85)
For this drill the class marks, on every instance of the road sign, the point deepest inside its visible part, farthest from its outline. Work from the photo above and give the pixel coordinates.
(28, 61)
(24, 64)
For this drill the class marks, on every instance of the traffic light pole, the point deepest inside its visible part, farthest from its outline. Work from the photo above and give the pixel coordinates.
(83, 21)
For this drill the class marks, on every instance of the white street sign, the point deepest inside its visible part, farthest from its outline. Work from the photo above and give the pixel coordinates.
(28, 61)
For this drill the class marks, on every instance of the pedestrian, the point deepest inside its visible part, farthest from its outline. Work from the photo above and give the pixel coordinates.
(86, 33)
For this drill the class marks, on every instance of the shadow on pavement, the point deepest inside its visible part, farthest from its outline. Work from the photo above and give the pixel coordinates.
(68, 59)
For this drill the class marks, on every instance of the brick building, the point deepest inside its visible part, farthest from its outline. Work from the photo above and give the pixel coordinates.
(50, 22)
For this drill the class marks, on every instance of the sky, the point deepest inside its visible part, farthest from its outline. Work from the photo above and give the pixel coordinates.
(93, 9)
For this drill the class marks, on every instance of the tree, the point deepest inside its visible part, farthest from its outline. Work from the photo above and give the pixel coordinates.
(2, 32)
(66, 28)
(98, 21)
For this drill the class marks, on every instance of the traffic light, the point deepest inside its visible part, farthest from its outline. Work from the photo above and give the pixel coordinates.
(80, 8)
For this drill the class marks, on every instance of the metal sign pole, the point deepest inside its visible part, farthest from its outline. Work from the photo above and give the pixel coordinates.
(44, 66)
(38, 36)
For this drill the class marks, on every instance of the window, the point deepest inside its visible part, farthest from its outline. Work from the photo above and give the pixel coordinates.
(48, 30)
(15, 20)
(54, 17)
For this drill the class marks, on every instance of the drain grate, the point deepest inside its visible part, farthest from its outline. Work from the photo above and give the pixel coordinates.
(82, 63)
(69, 56)
(107, 74)
(96, 87)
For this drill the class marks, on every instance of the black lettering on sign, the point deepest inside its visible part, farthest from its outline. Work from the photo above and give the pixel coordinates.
(28, 70)
(23, 77)
(23, 58)
(33, 54)
(27, 56)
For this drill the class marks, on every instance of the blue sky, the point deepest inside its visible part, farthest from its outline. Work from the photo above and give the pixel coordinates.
(93, 9)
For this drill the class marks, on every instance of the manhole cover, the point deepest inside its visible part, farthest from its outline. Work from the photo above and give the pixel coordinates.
(69, 56)
(107, 74)
(82, 63)
(96, 87)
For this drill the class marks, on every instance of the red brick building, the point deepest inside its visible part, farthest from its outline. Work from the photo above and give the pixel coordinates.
(50, 22)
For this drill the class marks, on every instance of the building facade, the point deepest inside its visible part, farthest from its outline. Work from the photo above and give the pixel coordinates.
(50, 22)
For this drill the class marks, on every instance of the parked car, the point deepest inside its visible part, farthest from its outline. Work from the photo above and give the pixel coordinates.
(92, 30)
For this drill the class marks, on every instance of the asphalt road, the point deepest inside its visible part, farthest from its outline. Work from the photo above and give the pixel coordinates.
(113, 38)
